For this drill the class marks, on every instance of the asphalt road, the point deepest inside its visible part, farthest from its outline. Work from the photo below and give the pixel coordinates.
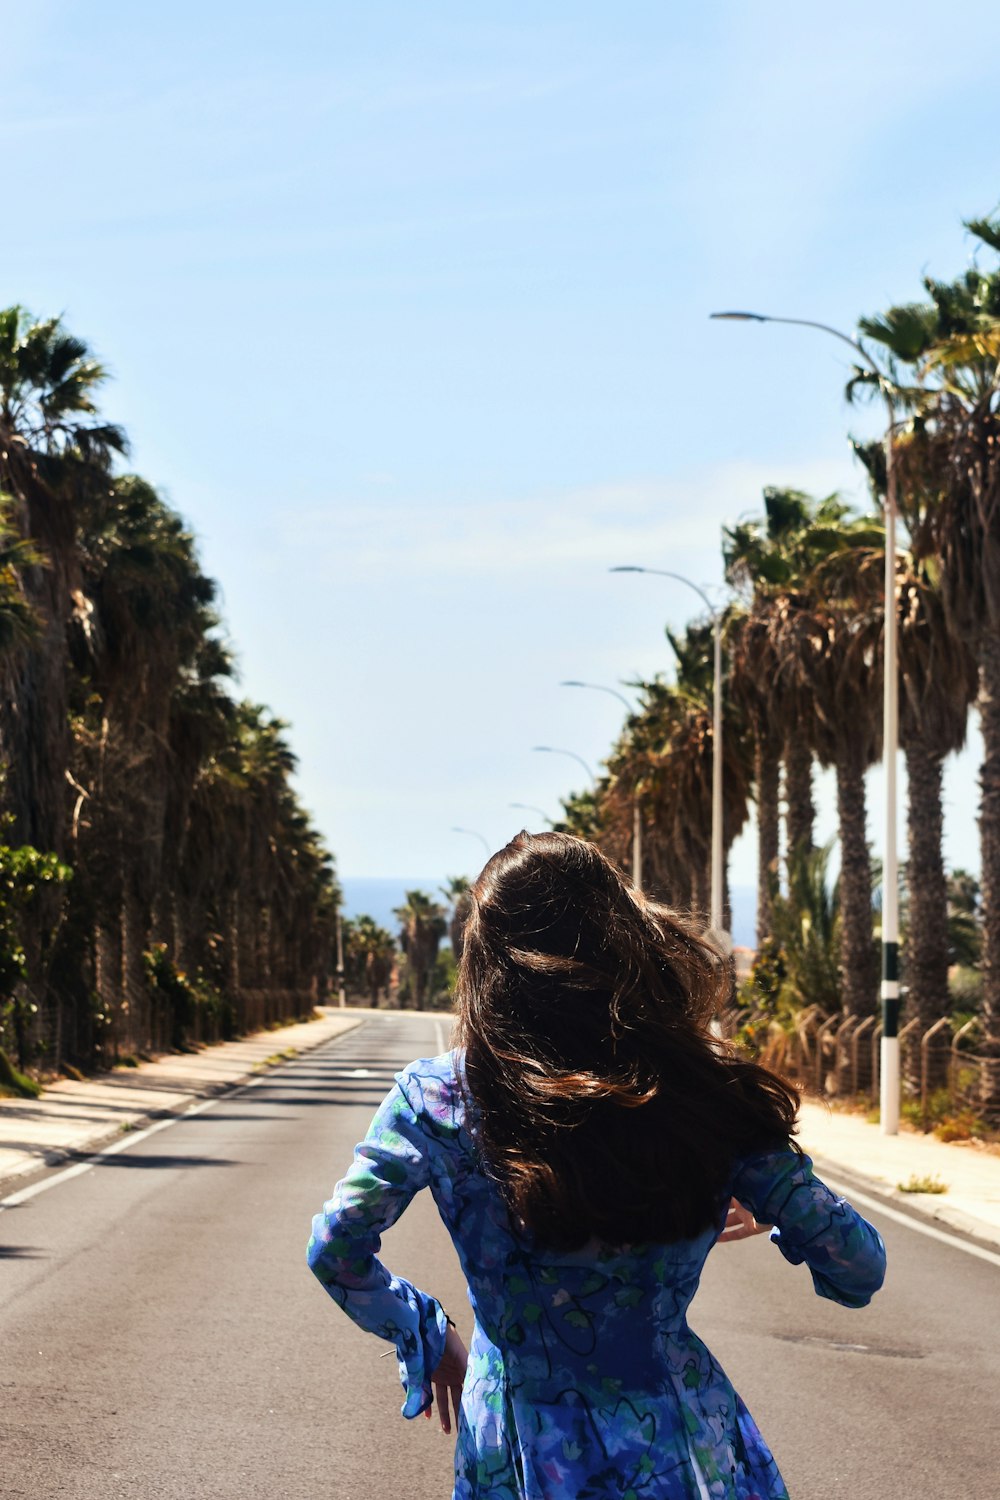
(161, 1337)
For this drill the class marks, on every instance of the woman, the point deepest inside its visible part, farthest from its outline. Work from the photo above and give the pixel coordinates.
(583, 1144)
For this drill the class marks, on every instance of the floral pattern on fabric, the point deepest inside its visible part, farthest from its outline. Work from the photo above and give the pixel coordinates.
(585, 1381)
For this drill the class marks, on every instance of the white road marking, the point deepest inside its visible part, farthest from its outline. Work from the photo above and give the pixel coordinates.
(876, 1205)
(129, 1139)
(853, 1195)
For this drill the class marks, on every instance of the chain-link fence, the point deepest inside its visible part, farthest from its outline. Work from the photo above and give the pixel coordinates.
(140, 1021)
(838, 1056)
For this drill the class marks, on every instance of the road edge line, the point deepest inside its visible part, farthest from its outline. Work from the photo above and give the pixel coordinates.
(913, 1220)
(213, 1094)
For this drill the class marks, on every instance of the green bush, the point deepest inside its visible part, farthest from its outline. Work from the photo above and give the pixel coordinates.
(14, 1084)
(190, 1000)
(965, 985)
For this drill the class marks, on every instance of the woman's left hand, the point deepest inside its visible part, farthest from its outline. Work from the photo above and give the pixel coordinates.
(448, 1379)
(740, 1224)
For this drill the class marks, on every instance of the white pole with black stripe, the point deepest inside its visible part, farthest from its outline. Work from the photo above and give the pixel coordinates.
(890, 1084)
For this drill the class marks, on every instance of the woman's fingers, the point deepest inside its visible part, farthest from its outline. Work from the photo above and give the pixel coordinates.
(740, 1224)
(445, 1406)
(448, 1377)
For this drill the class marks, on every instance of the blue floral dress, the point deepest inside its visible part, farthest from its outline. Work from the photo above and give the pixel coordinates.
(584, 1381)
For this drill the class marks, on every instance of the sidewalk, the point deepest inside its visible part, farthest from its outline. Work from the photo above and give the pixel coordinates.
(72, 1119)
(846, 1142)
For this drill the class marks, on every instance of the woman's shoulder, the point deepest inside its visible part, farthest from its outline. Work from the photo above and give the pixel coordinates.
(432, 1087)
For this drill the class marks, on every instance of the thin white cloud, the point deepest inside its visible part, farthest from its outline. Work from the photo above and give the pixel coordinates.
(631, 521)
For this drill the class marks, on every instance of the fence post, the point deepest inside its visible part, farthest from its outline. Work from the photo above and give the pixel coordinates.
(904, 1041)
(876, 1059)
(956, 1053)
(821, 1036)
(864, 1026)
(941, 1025)
(802, 1026)
(841, 1037)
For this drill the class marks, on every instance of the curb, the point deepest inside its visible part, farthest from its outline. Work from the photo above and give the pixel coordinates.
(940, 1215)
(58, 1156)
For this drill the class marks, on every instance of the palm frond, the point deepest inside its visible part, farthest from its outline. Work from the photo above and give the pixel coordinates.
(907, 331)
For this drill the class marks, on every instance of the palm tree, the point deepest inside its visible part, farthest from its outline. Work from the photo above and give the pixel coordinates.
(807, 933)
(203, 731)
(582, 815)
(55, 455)
(762, 559)
(19, 621)
(422, 926)
(768, 561)
(758, 559)
(665, 755)
(965, 939)
(748, 647)
(938, 682)
(370, 953)
(457, 892)
(950, 453)
(825, 644)
(257, 873)
(139, 625)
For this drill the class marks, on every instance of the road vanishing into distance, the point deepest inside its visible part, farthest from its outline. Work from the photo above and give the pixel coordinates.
(162, 1339)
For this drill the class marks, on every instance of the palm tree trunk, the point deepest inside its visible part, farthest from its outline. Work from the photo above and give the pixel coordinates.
(701, 892)
(34, 726)
(36, 733)
(135, 1004)
(989, 847)
(108, 983)
(766, 770)
(926, 953)
(858, 966)
(800, 810)
(419, 974)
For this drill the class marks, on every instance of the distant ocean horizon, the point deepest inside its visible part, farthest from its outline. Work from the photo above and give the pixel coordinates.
(377, 896)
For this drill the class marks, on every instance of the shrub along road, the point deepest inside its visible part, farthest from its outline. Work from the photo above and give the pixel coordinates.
(162, 1337)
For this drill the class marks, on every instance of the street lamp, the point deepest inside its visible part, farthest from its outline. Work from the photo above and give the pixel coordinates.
(598, 687)
(341, 988)
(716, 915)
(530, 807)
(889, 1091)
(554, 750)
(474, 835)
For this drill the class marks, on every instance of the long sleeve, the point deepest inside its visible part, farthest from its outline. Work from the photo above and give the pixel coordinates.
(389, 1166)
(844, 1253)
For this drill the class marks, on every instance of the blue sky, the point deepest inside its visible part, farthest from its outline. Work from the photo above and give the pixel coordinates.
(406, 308)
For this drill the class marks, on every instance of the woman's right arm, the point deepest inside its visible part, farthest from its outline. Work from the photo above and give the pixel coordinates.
(390, 1165)
(844, 1253)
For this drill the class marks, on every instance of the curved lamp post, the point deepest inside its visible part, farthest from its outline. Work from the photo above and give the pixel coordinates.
(530, 807)
(471, 832)
(554, 750)
(598, 687)
(889, 1091)
(716, 915)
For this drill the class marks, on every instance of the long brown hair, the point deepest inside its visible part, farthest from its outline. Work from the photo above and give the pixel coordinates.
(602, 1104)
